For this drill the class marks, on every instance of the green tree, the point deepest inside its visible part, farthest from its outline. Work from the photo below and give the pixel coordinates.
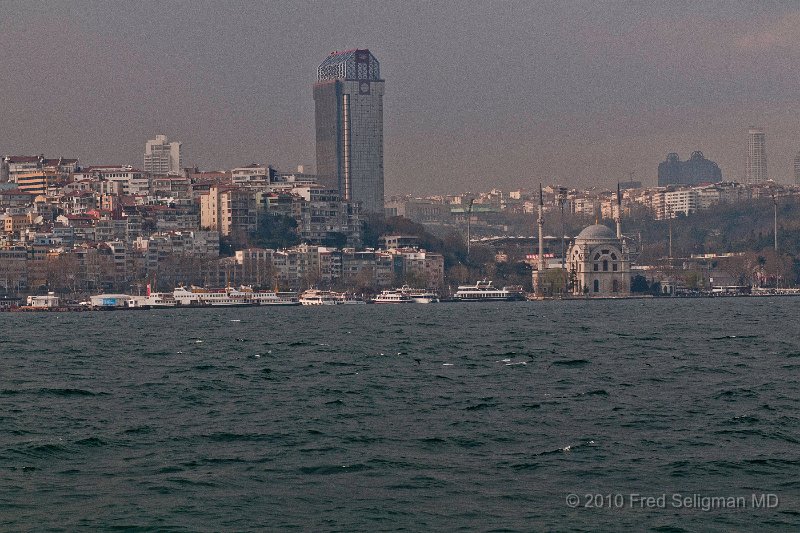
(276, 232)
(639, 284)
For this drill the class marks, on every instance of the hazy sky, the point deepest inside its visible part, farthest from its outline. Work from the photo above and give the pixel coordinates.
(478, 94)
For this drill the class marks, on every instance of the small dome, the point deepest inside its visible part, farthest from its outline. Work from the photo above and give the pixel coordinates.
(597, 231)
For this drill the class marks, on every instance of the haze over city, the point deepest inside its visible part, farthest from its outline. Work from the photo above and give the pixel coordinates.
(497, 95)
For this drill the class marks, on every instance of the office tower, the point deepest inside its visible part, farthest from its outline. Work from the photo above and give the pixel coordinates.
(161, 157)
(756, 167)
(797, 168)
(348, 102)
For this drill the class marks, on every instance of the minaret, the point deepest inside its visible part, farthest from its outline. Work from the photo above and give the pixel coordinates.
(619, 213)
(539, 278)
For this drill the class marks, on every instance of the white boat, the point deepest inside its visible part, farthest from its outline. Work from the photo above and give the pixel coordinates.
(345, 298)
(269, 297)
(420, 296)
(317, 297)
(200, 297)
(153, 299)
(394, 296)
(484, 291)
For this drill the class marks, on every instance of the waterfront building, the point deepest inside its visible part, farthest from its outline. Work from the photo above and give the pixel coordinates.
(162, 157)
(599, 263)
(348, 101)
(697, 169)
(756, 165)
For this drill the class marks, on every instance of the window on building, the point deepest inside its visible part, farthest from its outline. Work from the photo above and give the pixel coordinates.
(614, 267)
(605, 265)
(596, 267)
(596, 285)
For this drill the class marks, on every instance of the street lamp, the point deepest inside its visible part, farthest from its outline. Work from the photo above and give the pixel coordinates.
(469, 222)
(562, 200)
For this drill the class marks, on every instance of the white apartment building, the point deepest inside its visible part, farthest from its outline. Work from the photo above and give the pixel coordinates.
(120, 179)
(681, 201)
(162, 157)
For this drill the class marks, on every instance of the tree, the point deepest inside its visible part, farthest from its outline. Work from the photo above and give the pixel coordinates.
(639, 284)
(276, 232)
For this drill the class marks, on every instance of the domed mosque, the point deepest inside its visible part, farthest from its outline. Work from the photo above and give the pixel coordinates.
(599, 263)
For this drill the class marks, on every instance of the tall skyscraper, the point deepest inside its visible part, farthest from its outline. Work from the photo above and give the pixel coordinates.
(348, 102)
(797, 169)
(162, 157)
(756, 166)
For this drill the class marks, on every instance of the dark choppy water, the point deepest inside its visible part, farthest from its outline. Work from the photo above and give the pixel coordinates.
(364, 418)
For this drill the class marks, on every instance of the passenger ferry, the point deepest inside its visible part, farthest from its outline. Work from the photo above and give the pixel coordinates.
(395, 296)
(317, 297)
(484, 291)
(420, 296)
(153, 299)
(269, 297)
(200, 297)
(345, 298)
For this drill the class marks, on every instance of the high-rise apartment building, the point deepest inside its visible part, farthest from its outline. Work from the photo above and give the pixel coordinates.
(162, 157)
(348, 101)
(797, 168)
(756, 166)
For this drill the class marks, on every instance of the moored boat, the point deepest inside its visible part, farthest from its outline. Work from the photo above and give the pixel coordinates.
(317, 297)
(201, 297)
(420, 296)
(484, 291)
(261, 297)
(393, 296)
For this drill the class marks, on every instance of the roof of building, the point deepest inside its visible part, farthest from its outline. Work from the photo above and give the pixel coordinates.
(23, 158)
(596, 232)
(343, 65)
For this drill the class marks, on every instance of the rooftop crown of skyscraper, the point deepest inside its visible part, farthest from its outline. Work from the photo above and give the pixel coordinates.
(355, 64)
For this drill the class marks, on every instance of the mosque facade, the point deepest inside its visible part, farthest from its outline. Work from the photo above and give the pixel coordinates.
(599, 263)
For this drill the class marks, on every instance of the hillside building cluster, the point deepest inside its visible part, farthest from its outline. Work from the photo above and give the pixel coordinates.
(110, 227)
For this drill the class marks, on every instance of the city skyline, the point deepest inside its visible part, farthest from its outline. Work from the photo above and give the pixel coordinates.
(582, 94)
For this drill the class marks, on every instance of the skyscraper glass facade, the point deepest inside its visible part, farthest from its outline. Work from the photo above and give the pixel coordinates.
(756, 166)
(348, 99)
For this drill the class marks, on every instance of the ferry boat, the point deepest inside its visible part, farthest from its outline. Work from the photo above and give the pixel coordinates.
(420, 296)
(200, 297)
(394, 296)
(317, 297)
(269, 297)
(345, 298)
(484, 291)
(153, 299)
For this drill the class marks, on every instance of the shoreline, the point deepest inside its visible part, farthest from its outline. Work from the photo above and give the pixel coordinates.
(81, 308)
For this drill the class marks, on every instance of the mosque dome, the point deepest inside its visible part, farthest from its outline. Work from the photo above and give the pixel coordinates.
(596, 232)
